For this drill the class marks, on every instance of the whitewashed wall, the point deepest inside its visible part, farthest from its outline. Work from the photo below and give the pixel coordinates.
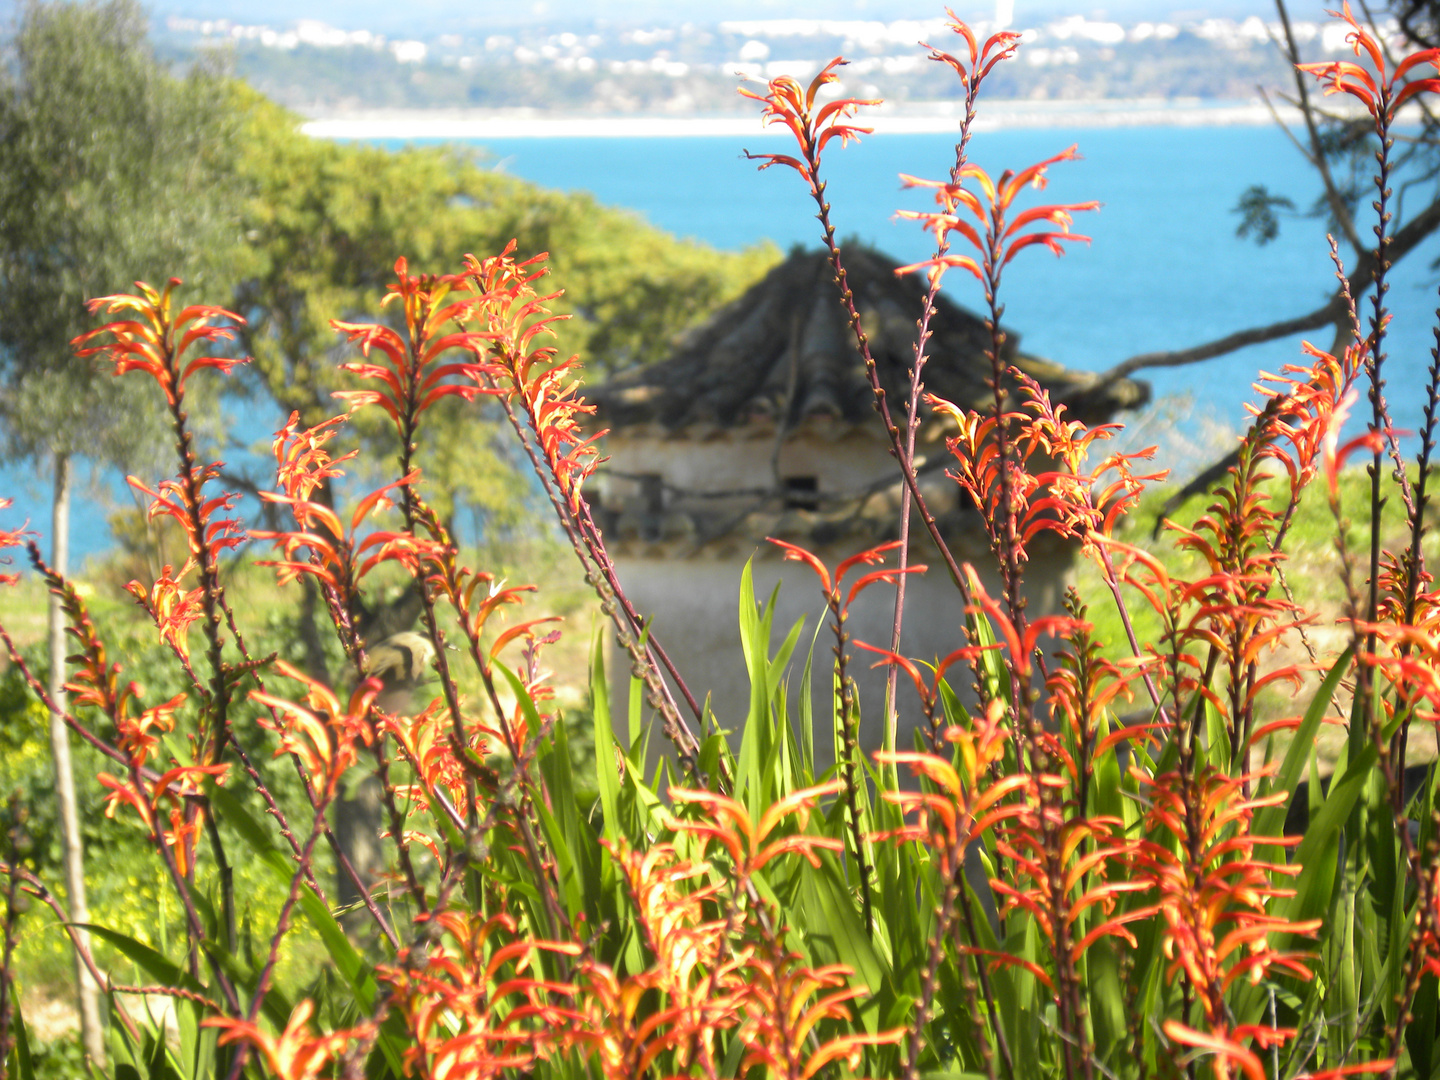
(694, 595)
(696, 607)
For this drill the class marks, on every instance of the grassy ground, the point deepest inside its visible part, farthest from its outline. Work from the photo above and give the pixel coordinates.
(1313, 570)
(126, 889)
(123, 878)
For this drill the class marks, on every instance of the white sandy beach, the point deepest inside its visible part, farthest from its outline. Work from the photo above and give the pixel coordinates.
(911, 118)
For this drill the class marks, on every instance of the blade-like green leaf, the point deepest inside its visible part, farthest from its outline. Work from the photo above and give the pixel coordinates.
(606, 779)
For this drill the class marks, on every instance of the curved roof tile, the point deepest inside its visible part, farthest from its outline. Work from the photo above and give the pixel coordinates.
(783, 354)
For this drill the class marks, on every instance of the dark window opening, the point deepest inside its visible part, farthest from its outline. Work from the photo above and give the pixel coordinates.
(652, 492)
(802, 493)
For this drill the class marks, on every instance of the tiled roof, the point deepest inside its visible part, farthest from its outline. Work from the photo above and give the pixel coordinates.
(782, 355)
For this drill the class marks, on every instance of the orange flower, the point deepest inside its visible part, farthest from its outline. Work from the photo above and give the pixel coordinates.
(996, 238)
(787, 105)
(1381, 94)
(147, 343)
(324, 737)
(295, 1054)
(11, 538)
(172, 607)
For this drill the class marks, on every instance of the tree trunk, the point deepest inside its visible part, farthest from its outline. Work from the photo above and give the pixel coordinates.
(92, 1035)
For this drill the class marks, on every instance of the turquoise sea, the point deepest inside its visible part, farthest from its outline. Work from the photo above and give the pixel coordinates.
(1164, 269)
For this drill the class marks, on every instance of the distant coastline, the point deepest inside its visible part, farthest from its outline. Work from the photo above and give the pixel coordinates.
(910, 118)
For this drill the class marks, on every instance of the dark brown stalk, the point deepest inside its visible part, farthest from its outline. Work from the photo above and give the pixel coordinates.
(227, 880)
(397, 823)
(427, 611)
(589, 548)
(7, 965)
(1112, 582)
(912, 415)
(1375, 368)
(930, 983)
(139, 777)
(212, 591)
(811, 151)
(77, 941)
(596, 547)
(850, 742)
(282, 927)
(967, 910)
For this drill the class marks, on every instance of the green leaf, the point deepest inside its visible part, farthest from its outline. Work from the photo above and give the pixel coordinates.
(756, 737)
(606, 779)
(807, 711)
(1217, 737)
(22, 1064)
(351, 967)
(1320, 849)
(992, 667)
(161, 969)
(1420, 1032)
(834, 927)
(1270, 820)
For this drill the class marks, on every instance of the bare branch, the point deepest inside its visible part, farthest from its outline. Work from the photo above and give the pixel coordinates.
(1317, 153)
(1331, 312)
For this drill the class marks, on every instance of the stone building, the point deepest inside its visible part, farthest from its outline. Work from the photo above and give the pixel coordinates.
(762, 423)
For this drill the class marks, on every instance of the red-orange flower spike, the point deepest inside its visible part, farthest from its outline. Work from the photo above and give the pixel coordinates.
(341, 557)
(168, 499)
(172, 607)
(787, 105)
(425, 741)
(997, 47)
(471, 1006)
(1214, 904)
(411, 376)
(832, 586)
(138, 736)
(995, 237)
(325, 737)
(294, 1054)
(692, 991)
(512, 316)
(782, 1011)
(1227, 1052)
(302, 463)
(171, 789)
(730, 825)
(147, 343)
(1381, 93)
(11, 538)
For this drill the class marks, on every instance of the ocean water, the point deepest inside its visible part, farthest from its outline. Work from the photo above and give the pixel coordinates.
(1163, 269)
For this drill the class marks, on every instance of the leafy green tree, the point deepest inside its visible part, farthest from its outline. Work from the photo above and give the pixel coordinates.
(110, 168)
(326, 218)
(324, 222)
